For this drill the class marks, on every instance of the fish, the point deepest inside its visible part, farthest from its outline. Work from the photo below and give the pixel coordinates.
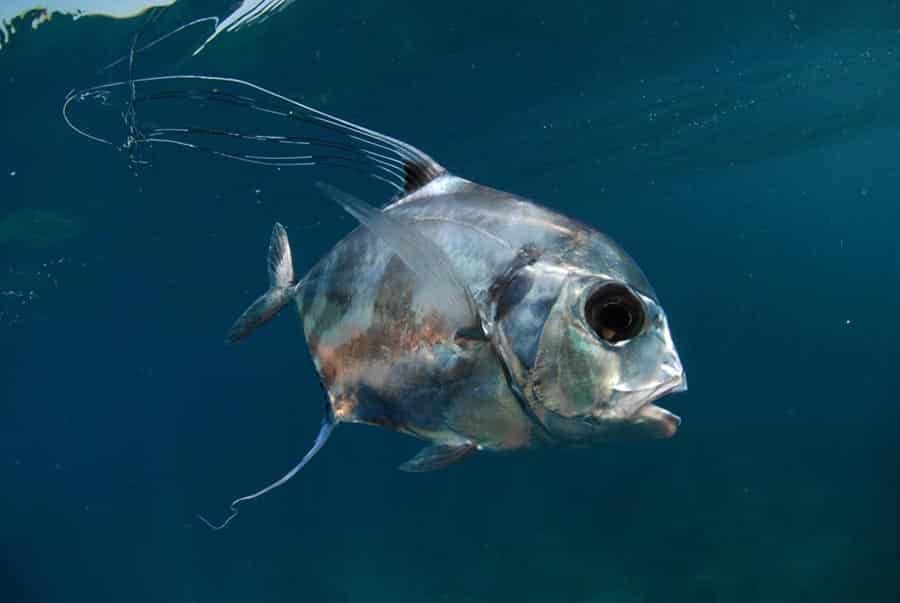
(471, 318)
(476, 320)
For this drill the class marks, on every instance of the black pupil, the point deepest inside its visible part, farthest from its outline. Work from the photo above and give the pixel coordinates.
(615, 316)
(614, 313)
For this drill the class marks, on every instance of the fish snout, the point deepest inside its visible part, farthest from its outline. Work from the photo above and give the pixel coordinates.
(648, 419)
(672, 372)
(663, 423)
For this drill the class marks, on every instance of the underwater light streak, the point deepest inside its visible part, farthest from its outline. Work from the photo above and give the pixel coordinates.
(248, 13)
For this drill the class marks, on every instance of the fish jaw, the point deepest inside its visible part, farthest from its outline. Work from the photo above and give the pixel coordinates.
(656, 421)
(651, 420)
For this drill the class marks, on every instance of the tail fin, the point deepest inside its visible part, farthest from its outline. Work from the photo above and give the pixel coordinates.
(282, 287)
(328, 424)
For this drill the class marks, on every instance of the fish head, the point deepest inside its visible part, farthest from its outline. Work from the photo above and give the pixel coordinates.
(605, 356)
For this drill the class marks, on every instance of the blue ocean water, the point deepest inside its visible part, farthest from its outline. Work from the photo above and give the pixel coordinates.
(744, 153)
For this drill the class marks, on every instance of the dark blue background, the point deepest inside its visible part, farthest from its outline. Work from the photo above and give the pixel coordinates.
(745, 153)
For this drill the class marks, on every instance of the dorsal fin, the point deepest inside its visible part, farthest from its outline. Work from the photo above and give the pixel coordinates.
(419, 172)
(267, 128)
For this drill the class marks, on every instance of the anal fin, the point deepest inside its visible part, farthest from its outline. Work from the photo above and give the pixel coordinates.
(431, 458)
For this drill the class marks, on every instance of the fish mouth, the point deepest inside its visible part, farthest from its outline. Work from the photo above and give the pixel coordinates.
(662, 422)
(634, 408)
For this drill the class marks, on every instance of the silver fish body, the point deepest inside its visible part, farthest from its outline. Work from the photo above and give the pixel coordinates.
(465, 316)
(390, 355)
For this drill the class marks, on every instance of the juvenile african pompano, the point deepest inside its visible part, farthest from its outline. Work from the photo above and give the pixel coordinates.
(465, 316)
(476, 320)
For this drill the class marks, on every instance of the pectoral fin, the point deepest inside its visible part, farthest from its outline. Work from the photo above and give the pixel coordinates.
(431, 458)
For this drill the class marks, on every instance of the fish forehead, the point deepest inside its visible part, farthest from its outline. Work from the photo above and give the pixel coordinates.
(516, 222)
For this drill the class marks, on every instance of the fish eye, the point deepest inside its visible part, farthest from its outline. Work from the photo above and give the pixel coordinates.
(614, 313)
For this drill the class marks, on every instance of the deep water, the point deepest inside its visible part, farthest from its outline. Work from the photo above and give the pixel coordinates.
(746, 154)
